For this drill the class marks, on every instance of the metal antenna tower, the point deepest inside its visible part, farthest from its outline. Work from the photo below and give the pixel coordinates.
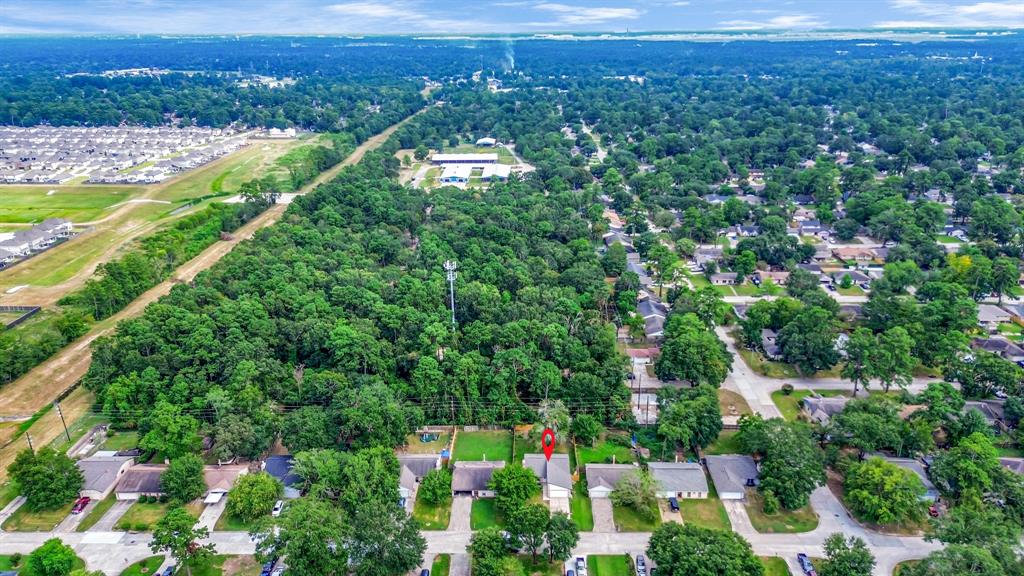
(449, 267)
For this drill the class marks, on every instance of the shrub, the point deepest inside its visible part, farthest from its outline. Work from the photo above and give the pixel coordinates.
(164, 498)
(141, 526)
(16, 559)
(787, 389)
(771, 502)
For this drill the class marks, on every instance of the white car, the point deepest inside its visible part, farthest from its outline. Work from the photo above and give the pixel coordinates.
(581, 566)
(278, 506)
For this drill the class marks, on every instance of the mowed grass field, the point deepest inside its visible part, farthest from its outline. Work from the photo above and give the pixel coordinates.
(119, 223)
(84, 203)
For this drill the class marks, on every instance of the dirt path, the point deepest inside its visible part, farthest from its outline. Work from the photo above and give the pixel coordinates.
(37, 388)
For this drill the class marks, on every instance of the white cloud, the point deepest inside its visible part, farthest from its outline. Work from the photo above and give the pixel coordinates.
(682, 3)
(931, 14)
(784, 22)
(404, 16)
(581, 15)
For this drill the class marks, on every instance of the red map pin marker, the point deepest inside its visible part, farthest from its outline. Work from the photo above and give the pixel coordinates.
(547, 441)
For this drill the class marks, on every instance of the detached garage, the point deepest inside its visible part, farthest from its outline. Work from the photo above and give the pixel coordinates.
(732, 475)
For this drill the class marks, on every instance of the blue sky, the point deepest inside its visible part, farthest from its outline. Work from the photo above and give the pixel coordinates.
(493, 16)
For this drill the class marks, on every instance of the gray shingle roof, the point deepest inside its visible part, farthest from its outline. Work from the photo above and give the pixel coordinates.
(555, 472)
(679, 476)
(470, 476)
(606, 475)
(100, 472)
(730, 472)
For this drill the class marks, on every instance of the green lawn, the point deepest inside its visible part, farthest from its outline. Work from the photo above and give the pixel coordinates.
(490, 445)
(24, 521)
(774, 566)
(1010, 452)
(231, 523)
(8, 492)
(628, 520)
(705, 512)
(604, 449)
(851, 291)
(784, 521)
(442, 564)
(20, 204)
(790, 405)
(143, 517)
(581, 509)
(525, 444)
(609, 565)
(765, 367)
(746, 289)
(432, 517)
(727, 443)
(484, 514)
(226, 565)
(906, 564)
(22, 567)
(143, 567)
(96, 513)
(526, 566)
(121, 441)
(944, 239)
(413, 444)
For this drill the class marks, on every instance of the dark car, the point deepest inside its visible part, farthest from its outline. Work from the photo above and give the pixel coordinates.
(641, 566)
(268, 568)
(80, 505)
(805, 564)
(673, 504)
(168, 571)
(424, 572)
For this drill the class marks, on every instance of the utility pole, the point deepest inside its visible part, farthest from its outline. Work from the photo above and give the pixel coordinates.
(29, 438)
(450, 267)
(62, 421)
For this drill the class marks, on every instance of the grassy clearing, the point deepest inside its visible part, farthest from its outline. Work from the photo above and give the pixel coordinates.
(527, 566)
(790, 405)
(225, 565)
(727, 443)
(765, 367)
(22, 567)
(705, 512)
(1010, 452)
(97, 512)
(784, 521)
(432, 517)
(605, 449)
(231, 523)
(143, 517)
(945, 239)
(581, 509)
(629, 520)
(8, 492)
(608, 565)
(25, 521)
(851, 291)
(413, 444)
(484, 514)
(441, 566)
(728, 401)
(483, 445)
(144, 567)
(121, 441)
(774, 566)
(33, 204)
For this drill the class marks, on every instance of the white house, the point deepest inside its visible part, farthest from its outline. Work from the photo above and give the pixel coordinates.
(555, 477)
(679, 479)
(602, 478)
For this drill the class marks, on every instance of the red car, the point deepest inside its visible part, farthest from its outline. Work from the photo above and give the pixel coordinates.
(80, 505)
(933, 511)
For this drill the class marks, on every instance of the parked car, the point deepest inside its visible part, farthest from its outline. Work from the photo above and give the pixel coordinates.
(268, 568)
(168, 571)
(570, 573)
(581, 566)
(673, 504)
(401, 502)
(805, 564)
(278, 506)
(80, 505)
(641, 565)
(277, 571)
(424, 572)
(831, 287)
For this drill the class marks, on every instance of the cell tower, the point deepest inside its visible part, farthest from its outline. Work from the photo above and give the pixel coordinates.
(450, 267)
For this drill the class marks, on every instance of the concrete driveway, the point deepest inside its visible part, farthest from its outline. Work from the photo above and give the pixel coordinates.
(604, 521)
(462, 509)
(460, 565)
(209, 516)
(559, 505)
(667, 515)
(106, 524)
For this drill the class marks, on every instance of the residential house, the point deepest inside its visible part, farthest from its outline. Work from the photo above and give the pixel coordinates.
(803, 199)
(931, 493)
(220, 479)
(704, 255)
(992, 410)
(990, 317)
(140, 480)
(821, 409)
(778, 278)
(724, 279)
(101, 474)
(812, 268)
(554, 474)
(654, 313)
(456, 174)
(856, 276)
(679, 479)
(280, 467)
(851, 312)
(854, 254)
(472, 478)
(1015, 465)
(770, 345)
(811, 228)
(602, 478)
(732, 475)
(414, 467)
(1001, 346)
(495, 172)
